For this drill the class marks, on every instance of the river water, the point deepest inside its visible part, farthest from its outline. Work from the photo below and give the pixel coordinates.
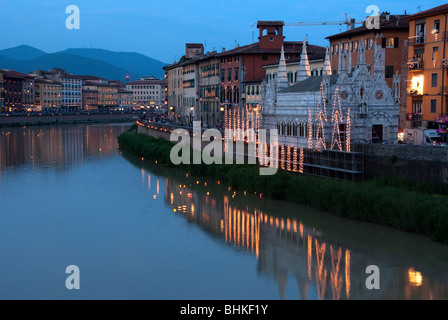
(136, 230)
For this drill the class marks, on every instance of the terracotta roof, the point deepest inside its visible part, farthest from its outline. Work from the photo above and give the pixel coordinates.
(436, 10)
(314, 52)
(395, 22)
(162, 82)
(15, 74)
(269, 23)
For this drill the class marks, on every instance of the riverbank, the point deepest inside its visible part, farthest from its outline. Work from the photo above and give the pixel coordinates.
(406, 206)
(55, 119)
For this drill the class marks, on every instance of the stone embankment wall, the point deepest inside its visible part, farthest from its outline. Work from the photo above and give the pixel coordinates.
(65, 119)
(416, 163)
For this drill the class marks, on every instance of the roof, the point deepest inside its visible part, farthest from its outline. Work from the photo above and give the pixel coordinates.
(156, 81)
(312, 84)
(15, 74)
(269, 23)
(395, 22)
(436, 10)
(290, 47)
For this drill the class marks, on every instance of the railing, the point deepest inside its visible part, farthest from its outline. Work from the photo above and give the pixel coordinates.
(415, 65)
(414, 92)
(416, 40)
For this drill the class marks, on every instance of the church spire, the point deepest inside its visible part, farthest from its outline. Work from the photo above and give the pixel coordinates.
(282, 75)
(304, 71)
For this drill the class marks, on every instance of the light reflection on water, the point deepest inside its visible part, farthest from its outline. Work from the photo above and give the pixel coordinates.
(69, 197)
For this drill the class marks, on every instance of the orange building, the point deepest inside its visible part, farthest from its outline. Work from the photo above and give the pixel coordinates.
(427, 64)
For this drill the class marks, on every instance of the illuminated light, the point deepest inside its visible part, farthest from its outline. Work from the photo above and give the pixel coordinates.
(155, 197)
(295, 160)
(417, 84)
(174, 210)
(310, 130)
(208, 193)
(348, 139)
(197, 182)
(288, 155)
(415, 278)
(302, 159)
(143, 158)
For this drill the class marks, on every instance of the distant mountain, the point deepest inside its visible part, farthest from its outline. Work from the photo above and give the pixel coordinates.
(131, 61)
(74, 64)
(22, 53)
(95, 62)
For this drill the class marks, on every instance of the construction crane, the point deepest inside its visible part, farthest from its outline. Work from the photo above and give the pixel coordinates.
(351, 23)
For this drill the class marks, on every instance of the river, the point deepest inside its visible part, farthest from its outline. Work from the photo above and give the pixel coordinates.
(136, 230)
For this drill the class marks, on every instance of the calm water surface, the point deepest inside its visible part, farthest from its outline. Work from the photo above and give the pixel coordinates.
(140, 231)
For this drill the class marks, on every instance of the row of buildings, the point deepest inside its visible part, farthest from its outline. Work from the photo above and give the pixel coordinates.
(411, 59)
(57, 90)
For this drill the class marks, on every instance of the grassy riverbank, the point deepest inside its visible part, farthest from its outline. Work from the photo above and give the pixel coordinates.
(393, 202)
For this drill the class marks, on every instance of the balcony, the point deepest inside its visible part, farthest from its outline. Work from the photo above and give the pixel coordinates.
(414, 41)
(415, 65)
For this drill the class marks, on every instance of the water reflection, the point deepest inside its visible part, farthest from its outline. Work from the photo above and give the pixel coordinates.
(56, 147)
(323, 267)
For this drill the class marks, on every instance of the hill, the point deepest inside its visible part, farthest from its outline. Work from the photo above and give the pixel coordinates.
(96, 62)
(22, 53)
(134, 62)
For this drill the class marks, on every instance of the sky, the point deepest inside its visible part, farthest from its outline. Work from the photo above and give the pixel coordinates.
(160, 29)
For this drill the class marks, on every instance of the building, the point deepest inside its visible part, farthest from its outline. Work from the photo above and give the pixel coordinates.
(391, 36)
(47, 95)
(125, 99)
(209, 110)
(147, 92)
(182, 90)
(107, 97)
(334, 111)
(427, 64)
(243, 69)
(2, 93)
(71, 93)
(90, 96)
(13, 90)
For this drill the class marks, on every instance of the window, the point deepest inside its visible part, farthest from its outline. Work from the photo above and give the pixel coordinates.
(433, 106)
(436, 26)
(435, 53)
(370, 44)
(237, 74)
(434, 80)
(229, 75)
(265, 58)
(390, 43)
(389, 72)
(355, 46)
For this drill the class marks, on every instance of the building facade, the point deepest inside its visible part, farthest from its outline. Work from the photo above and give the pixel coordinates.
(125, 99)
(210, 113)
(334, 111)
(427, 95)
(391, 36)
(13, 90)
(47, 95)
(147, 92)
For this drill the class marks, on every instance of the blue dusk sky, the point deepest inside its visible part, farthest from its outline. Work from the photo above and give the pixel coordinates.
(160, 29)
